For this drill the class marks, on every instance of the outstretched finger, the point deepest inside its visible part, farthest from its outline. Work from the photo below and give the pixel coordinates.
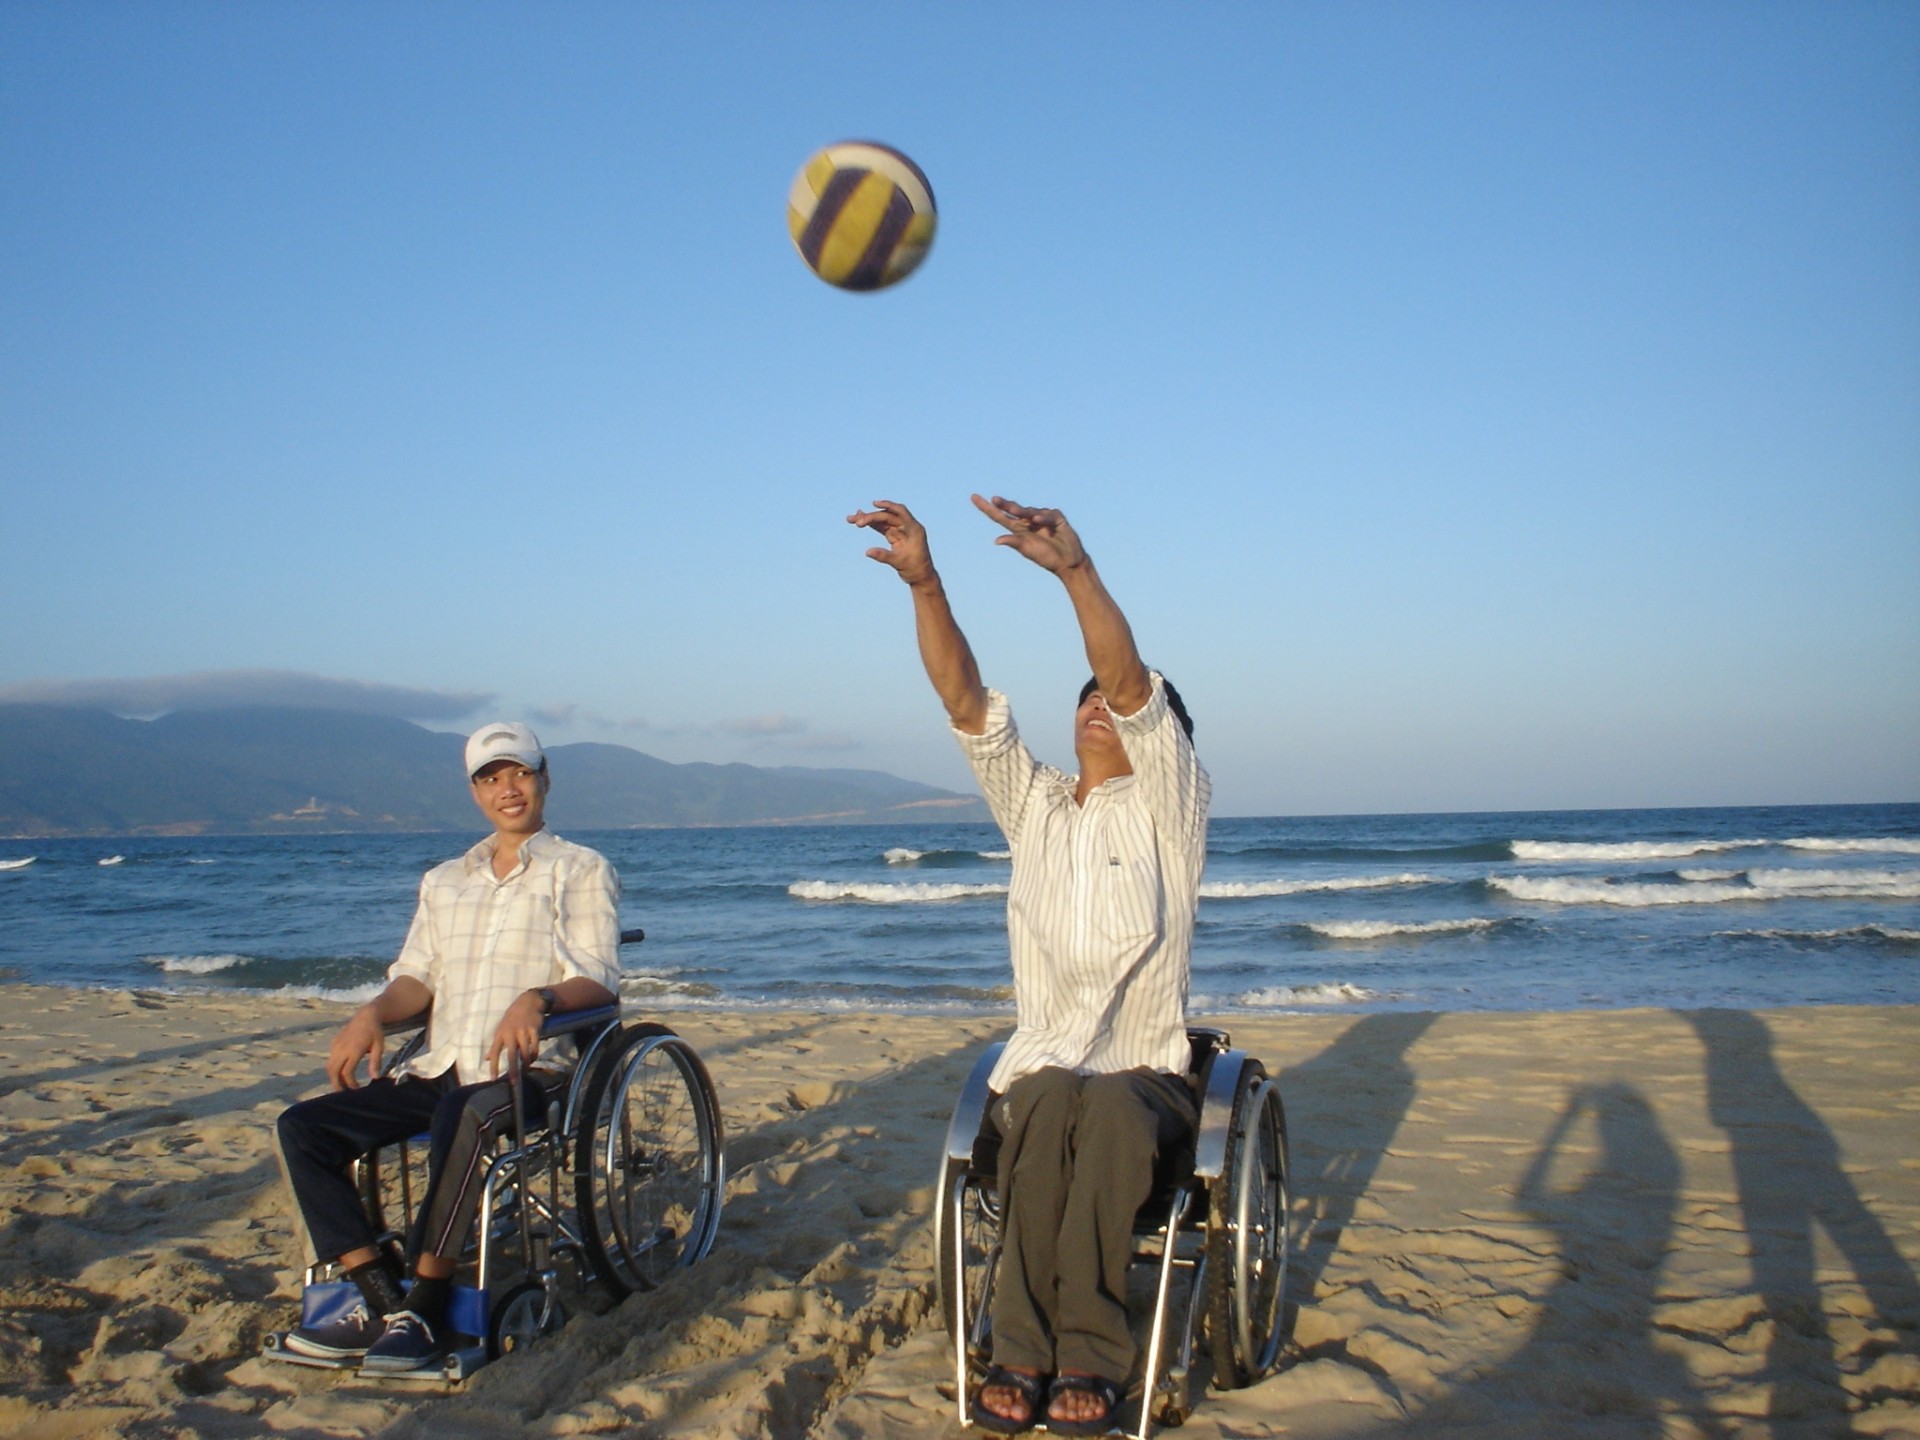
(1002, 512)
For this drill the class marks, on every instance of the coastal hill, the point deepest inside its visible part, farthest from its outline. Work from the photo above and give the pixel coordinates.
(247, 771)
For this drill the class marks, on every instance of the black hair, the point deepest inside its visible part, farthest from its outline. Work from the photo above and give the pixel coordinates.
(1174, 702)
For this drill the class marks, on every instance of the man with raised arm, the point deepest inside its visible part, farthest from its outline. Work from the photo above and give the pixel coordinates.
(1106, 877)
(524, 925)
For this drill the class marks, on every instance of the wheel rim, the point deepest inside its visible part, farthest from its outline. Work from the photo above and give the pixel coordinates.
(1260, 1256)
(971, 1224)
(658, 1164)
(523, 1317)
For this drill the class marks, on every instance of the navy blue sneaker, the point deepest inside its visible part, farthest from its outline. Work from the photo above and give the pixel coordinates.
(407, 1347)
(341, 1341)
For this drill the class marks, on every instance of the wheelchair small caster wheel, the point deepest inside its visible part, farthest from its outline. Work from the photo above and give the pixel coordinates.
(524, 1314)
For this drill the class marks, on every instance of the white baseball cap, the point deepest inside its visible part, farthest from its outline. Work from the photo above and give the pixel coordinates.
(503, 740)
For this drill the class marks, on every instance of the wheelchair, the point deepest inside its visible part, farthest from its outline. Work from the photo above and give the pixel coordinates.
(1214, 1228)
(623, 1184)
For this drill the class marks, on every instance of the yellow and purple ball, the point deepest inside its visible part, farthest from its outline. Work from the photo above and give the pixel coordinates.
(861, 215)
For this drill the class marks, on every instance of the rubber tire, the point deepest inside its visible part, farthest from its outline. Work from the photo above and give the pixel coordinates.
(1246, 1331)
(605, 1252)
(964, 1220)
(517, 1321)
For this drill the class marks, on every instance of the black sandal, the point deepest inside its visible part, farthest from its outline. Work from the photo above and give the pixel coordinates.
(1096, 1385)
(1031, 1388)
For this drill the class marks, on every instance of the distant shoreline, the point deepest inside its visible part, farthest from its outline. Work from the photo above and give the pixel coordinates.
(909, 812)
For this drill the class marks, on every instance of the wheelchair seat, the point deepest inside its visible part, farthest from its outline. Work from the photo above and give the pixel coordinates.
(1216, 1218)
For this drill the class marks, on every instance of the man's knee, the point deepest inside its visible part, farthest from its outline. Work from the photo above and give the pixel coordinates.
(299, 1132)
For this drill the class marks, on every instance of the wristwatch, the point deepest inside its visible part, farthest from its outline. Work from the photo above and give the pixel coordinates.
(549, 999)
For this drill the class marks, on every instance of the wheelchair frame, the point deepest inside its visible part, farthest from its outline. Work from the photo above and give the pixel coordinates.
(1223, 1225)
(639, 1114)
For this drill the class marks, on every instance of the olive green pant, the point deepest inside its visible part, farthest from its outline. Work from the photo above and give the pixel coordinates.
(1076, 1162)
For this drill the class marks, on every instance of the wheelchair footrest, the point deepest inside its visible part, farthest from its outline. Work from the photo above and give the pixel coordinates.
(274, 1347)
(462, 1363)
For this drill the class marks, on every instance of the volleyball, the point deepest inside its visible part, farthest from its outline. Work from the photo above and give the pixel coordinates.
(861, 215)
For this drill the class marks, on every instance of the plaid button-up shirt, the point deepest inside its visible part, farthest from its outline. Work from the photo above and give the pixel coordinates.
(1100, 913)
(478, 943)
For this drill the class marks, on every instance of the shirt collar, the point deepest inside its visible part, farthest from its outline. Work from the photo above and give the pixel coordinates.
(1112, 785)
(480, 857)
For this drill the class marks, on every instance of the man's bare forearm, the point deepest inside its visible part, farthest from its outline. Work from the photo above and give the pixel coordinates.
(1111, 652)
(403, 999)
(948, 657)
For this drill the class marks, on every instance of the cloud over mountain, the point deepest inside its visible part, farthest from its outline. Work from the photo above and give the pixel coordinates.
(224, 689)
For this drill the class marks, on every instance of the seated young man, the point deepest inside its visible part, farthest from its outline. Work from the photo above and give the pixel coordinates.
(1091, 1089)
(522, 926)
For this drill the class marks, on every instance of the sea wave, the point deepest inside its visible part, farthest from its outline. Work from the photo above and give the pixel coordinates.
(347, 994)
(1387, 929)
(1893, 933)
(902, 855)
(913, 893)
(1884, 846)
(1896, 884)
(1246, 889)
(1766, 884)
(1550, 850)
(1288, 996)
(111, 860)
(656, 989)
(196, 964)
(1478, 852)
(19, 864)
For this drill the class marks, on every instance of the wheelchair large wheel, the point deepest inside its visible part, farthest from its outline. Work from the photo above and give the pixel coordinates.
(648, 1166)
(1247, 1242)
(392, 1181)
(968, 1224)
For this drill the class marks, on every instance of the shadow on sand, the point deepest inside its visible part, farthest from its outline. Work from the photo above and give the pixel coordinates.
(1787, 1165)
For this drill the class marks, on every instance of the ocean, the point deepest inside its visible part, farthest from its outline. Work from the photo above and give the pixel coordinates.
(1749, 907)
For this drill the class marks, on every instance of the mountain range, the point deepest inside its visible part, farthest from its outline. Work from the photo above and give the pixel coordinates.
(74, 771)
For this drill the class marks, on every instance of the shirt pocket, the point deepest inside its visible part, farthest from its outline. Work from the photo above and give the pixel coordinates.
(1128, 899)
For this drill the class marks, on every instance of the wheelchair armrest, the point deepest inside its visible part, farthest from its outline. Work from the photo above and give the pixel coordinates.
(401, 1027)
(971, 1108)
(568, 1021)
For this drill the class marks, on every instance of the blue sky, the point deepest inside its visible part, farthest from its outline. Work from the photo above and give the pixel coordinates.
(1473, 405)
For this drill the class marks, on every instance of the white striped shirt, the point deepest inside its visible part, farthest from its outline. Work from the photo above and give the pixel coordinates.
(1100, 914)
(478, 943)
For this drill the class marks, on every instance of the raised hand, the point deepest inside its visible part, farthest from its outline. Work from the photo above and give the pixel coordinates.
(906, 548)
(1043, 536)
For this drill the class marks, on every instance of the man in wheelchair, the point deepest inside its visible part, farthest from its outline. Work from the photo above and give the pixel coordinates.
(522, 926)
(1106, 871)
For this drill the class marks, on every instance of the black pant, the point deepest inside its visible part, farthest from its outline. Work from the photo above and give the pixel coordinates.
(322, 1137)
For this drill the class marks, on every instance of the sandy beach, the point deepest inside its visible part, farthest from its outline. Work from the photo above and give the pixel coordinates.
(1615, 1223)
